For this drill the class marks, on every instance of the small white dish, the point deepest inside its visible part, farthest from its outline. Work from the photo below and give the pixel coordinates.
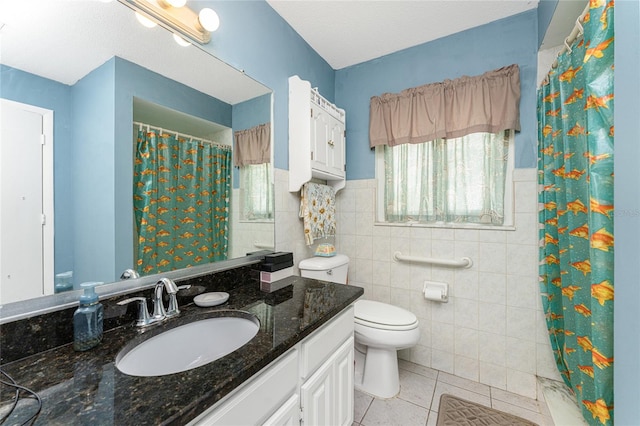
(211, 299)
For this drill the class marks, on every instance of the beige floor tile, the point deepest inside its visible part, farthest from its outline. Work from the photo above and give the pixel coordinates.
(416, 389)
(464, 383)
(394, 412)
(432, 420)
(536, 417)
(418, 369)
(442, 388)
(361, 403)
(513, 399)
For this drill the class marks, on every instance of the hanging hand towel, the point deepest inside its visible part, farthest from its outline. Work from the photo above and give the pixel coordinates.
(318, 211)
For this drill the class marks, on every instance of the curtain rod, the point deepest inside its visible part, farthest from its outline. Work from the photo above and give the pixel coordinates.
(178, 134)
(577, 31)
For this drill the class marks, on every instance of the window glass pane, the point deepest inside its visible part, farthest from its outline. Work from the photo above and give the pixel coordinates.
(256, 185)
(458, 180)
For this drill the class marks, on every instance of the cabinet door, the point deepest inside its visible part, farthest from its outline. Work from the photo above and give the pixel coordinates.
(319, 137)
(287, 415)
(336, 147)
(318, 397)
(343, 388)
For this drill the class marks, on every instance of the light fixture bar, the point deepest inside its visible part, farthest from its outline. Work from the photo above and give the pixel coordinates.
(182, 20)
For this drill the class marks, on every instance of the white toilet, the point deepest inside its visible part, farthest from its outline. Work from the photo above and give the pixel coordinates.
(380, 330)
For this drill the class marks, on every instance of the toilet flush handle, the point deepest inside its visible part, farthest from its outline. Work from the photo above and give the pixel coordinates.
(330, 272)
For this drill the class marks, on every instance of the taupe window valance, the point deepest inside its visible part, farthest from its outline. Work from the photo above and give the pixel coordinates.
(486, 103)
(252, 146)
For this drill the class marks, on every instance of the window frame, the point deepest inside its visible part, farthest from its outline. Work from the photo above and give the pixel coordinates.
(509, 197)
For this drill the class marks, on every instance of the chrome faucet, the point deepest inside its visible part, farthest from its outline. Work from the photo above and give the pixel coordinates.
(159, 311)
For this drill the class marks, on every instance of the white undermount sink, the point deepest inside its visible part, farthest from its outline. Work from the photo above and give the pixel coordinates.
(188, 346)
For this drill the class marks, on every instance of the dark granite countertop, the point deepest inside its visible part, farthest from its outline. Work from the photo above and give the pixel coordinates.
(86, 388)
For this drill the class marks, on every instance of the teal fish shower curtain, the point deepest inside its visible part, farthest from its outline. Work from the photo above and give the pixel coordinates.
(181, 201)
(575, 173)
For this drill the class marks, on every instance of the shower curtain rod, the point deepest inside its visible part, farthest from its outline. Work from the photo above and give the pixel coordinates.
(577, 31)
(184, 135)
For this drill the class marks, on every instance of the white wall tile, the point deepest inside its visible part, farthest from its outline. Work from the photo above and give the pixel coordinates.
(465, 284)
(443, 312)
(519, 260)
(521, 323)
(466, 313)
(469, 368)
(492, 318)
(493, 375)
(492, 348)
(381, 248)
(380, 293)
(401, 298)
(441, 360)
(545, 362)
(492, 257)
(381, 273)
(443, 337)
(526, 229)
(364, 247)
(466, 342)
(522, 291)
(521, 355)
(363, 269)
(526, 197)
(521, 383)
(492, 288)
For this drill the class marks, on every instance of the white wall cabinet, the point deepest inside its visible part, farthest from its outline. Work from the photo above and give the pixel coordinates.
(316, 137)
(312, 383)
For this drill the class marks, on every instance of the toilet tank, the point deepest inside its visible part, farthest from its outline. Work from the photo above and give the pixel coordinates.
(333, 269)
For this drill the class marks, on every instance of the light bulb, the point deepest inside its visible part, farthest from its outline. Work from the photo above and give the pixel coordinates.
(177, 3)
(145, 21)
(181, 41)
(209, 20)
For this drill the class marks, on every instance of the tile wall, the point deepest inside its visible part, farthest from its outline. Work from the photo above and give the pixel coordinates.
(492, 330)
(247, 237)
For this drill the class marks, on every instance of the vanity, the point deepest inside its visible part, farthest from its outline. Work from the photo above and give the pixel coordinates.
(298, 366)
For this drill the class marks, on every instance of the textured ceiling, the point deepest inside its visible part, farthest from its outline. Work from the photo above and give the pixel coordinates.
(345, 33)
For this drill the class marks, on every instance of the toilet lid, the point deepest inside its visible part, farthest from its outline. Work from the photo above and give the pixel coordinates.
(383, 315)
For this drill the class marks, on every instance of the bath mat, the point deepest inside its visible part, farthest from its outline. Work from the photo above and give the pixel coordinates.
(454, 411)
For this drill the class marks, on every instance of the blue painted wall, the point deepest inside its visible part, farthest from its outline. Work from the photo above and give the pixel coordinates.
(20, 86)
(472, 52)
(546, 8)
(93, 100)
(627, 213)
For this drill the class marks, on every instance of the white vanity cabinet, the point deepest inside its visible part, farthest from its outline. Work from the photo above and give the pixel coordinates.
(312, 383)
(317, 140)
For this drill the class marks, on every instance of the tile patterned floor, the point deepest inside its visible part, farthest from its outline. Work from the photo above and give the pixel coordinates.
(420, 390)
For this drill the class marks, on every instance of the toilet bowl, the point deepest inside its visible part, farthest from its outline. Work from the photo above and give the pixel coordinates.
(380, 331)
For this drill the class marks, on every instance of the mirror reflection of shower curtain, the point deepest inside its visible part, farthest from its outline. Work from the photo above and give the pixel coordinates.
(181, 201)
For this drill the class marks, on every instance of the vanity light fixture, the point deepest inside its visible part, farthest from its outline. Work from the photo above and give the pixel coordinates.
(178, 18)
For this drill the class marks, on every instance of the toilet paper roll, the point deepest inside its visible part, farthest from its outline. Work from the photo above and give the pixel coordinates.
(431, 293)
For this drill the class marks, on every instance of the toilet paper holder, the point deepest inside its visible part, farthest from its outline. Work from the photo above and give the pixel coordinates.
(436, 291)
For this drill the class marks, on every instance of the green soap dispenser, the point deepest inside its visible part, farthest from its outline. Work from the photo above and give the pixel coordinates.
(87, 319)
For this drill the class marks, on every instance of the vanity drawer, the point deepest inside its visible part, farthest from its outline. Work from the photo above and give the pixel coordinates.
(317, 348)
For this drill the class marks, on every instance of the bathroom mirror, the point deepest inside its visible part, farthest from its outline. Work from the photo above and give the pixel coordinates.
(98, 70)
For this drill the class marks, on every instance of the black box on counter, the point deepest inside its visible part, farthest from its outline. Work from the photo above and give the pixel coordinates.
(277, 261)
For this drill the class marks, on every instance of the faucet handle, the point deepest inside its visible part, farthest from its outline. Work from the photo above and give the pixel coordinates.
(143, 314)
(173, 309)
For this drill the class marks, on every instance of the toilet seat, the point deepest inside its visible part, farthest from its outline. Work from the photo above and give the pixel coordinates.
(383, 316)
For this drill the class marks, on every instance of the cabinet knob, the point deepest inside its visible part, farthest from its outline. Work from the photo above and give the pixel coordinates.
(330, 142)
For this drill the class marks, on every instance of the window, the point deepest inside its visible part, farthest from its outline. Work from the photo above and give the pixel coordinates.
(256, 192)
(461, 182)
